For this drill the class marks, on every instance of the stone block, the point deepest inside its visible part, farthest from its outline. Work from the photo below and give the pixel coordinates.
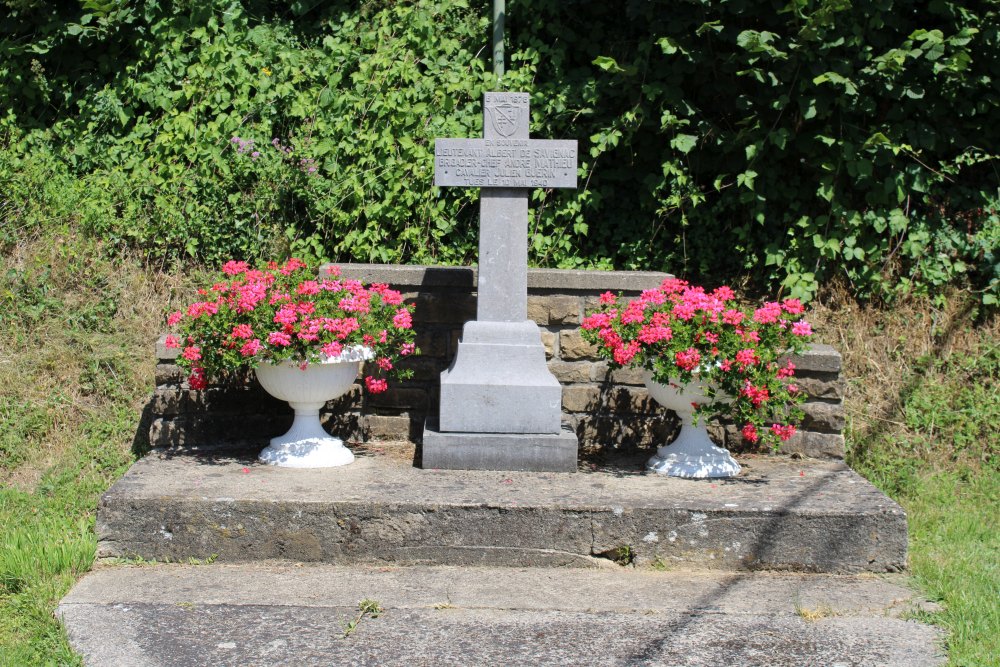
(826, 417)
(444, 308)
(400, 398)
(165, 353)
(805, 443)
(425, 369)
(819, 358)
(538, 452)
(572, 372)
(822, 386)
(602, 433)
(815, 445)
(581, 398)
(169, 374)
(549, 341)
(387, 427)
(252, 399)
(538, 310)
(554, 309)
(573, 347)
(433, 342)
(631, 400)
(629, 376)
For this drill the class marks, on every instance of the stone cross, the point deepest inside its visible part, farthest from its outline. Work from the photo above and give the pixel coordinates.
(500, 405)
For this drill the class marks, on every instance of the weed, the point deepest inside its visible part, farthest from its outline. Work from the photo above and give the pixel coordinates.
(659, 564)
(624, 555)
(812, 615)
(366, 607)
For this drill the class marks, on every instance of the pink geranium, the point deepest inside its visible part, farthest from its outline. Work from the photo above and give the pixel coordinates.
(682, 332)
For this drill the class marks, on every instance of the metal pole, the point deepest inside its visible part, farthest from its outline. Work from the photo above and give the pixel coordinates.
(498, 17)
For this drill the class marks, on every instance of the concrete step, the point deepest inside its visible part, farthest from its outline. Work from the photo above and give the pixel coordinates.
(781, 513)
(267, 614)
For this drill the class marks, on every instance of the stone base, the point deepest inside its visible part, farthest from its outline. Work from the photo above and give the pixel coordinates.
(539, 452)
(779, 513)
(499, 382)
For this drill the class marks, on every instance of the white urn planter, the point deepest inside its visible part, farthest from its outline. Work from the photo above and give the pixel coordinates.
(307, 388)
(692, 454)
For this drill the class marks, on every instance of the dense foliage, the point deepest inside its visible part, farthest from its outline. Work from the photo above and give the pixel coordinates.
(784, 140)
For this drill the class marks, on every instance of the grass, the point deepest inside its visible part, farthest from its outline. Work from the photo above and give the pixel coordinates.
(76, 332)
(922, 407)
(75, 367)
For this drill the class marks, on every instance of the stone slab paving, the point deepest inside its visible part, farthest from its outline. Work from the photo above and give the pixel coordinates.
(781, 513)
(281, 614)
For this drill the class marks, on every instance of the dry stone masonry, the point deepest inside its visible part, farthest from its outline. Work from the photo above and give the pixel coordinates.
(607, 410)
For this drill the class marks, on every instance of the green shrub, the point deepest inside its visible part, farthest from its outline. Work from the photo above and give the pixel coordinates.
(787, 141)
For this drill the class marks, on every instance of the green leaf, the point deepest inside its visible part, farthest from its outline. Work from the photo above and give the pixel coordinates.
(684, 142)
(608, 64)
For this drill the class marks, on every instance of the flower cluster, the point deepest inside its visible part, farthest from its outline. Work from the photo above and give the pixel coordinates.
(285, 312)
(679, 330)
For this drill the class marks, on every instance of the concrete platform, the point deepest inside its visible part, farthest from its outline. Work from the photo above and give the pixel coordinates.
(169, 615)
(781, 514)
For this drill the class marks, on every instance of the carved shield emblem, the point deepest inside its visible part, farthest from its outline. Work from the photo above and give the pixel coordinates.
(506, 118)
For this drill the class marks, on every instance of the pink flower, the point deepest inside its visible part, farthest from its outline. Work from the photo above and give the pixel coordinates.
(598, 320)
(407, 349)
(279, 338)
(768, 314)
(688, 359)
(747, 357)
(333, 349)
(233, 268)
(652, 334)
(402, 319)
(391, 297)
(286, 315)
(653, 296)
(172, 342)
(608, 298)
(802, 328)
(733, 317)
(684, 311)
(626, 353)
(197, 378)
(723, 293)
(673, 285)
(757, 395)
(292, 265)
(792, 306)
(711, 337)
(242, 331)
(634, 312)
(384, 363)
(375, 385)
(251, 347)
(174, 318)
(786, 372)
(307, 287)
(750, 432)
(191, 353)
(783, 432)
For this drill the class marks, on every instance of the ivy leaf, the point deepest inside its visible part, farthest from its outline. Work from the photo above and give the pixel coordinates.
(684, 142)
(608, 64)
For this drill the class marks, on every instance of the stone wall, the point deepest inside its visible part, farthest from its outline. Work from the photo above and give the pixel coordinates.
(607, 408)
